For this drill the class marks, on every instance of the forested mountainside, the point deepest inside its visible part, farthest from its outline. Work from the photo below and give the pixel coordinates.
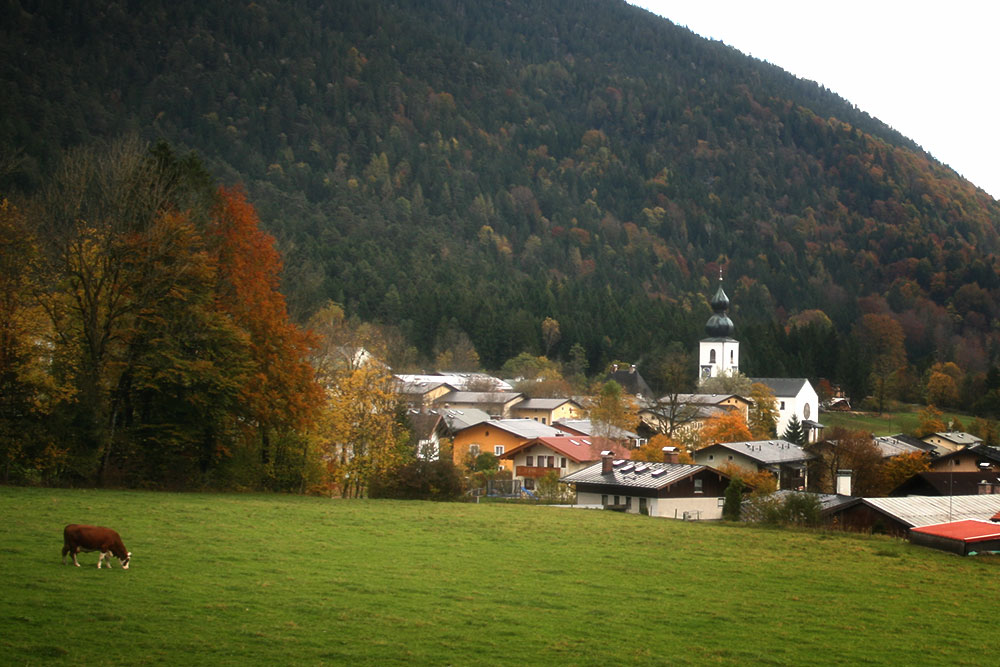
(474, 166)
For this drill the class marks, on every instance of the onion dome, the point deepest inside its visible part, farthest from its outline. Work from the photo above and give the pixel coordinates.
(719, 325)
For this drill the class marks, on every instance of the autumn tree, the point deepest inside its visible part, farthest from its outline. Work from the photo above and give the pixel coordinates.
(847, 450)
(761, 481)
(282, 393)
(652, 451)
(763, 414)
(550, 333)
(930, 422)
(613, 411)
(672, 374)
(881, 337)
(725, 427)
(897, 469)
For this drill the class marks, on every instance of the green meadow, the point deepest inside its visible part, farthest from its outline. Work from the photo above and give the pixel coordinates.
(270, 579)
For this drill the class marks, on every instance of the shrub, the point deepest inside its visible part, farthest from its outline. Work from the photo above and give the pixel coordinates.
(419, 480)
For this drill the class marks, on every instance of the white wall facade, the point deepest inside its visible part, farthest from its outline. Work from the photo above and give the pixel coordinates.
(718, 356)
(700, 508)
(805, 405)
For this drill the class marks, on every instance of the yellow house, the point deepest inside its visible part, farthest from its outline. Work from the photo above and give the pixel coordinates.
(421, 394)
(496, 437)
(547, 410)
(952, 441)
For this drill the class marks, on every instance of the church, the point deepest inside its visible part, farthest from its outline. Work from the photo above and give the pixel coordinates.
(719, 355)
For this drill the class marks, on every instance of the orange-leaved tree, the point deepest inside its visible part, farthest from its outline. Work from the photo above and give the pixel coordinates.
(282, 394)
(653, 450)
(726, 427)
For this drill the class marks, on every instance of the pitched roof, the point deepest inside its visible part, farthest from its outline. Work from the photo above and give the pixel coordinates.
(927, 510)
(457, 380)
(461, 418)
(767, 452)
(424, 423)
(630, 380)
(890, 446)
(983, 453)
(544, 403)
(586, 427)
(960, 438)
(943, 483)
(966, 530)
(577, 448)
(638, 474)
(783, 386)
(522, 428)
(703, 399)
(484, 397)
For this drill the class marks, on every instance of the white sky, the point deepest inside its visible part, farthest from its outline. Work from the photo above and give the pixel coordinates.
(931, 70)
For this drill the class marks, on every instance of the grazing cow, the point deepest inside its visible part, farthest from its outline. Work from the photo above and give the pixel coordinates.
(77, 538)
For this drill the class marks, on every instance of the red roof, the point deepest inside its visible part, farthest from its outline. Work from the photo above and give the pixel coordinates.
(581, 449)
(969, 530)
(995, 517)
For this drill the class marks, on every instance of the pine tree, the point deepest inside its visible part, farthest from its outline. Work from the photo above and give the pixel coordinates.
(794, 432)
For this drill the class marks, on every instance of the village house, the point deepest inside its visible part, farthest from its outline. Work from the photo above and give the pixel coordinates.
(668, 489)
(976, 458)
(965, 538)
(547, 410)
(795, 397)
(896, 516)
(419, 394)
(497, 404)
(951, 441)
(786, 461)
(564, 454)
(496, 437)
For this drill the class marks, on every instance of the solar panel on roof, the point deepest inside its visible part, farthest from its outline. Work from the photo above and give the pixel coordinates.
(657, 473)
(574, 442)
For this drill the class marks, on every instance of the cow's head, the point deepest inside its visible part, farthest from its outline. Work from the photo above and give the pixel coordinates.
(124, 561)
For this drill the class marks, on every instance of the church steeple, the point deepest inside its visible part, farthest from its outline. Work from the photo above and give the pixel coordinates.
(720, 352)
(719, 325)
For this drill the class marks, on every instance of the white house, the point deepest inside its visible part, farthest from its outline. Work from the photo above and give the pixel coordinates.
(795, 396)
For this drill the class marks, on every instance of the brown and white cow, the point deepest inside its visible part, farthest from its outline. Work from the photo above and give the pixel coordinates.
(77, 538)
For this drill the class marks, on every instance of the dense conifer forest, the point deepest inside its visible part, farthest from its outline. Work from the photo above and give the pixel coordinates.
(464, 169)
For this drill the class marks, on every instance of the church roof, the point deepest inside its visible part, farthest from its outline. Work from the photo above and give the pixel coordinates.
(719, 325)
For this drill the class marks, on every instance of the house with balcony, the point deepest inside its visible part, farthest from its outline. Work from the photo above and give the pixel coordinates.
(786, 461)
(497, 437)
(564, 454)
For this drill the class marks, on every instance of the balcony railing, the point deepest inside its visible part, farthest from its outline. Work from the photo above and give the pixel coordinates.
(534, 471)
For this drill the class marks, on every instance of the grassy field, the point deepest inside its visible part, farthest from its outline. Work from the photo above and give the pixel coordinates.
(238, 579)
(904, 420)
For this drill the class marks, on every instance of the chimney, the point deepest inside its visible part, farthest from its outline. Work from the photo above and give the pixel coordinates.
(844, 482)
(671, 455)
(607, 462)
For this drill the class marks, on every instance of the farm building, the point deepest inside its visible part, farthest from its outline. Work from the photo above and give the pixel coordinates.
(896, 516)
(965, 538)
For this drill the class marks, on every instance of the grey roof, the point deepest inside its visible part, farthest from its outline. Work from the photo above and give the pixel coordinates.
(702, 399)
(959, 438)
(543, 403)
(783, 386)
(636, 474)
(586, 427)
(927, 510)
(418, 387)
(890, 446)
(525, 428)
(765, 451)
(457, 380)
(483, 397)
(460, 418)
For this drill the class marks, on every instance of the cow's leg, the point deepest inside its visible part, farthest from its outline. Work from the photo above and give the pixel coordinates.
(65, 550)
(75, 552)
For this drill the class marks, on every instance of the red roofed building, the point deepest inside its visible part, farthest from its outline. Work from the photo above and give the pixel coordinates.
(966, 537)
(565, 454)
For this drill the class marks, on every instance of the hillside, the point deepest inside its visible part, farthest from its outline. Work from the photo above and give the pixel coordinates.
(462, 166)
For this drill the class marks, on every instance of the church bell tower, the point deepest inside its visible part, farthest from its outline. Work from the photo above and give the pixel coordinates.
(719, 353)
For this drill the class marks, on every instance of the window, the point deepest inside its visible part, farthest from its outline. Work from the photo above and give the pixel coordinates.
(730, 457)
(529, 461)
(498, 450)
(474, 450)
(628, 502)
(529, 483)
(806, 411)
(732, 356)
(552, 462)
(543, 420)
(604, 500)
(711, 457)
(642, 506)
(711, 356)
(782, 407)
(617, 499)
(697, 485)
(563, 462)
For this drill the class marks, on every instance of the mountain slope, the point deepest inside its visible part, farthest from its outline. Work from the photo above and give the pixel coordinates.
(478, 166)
